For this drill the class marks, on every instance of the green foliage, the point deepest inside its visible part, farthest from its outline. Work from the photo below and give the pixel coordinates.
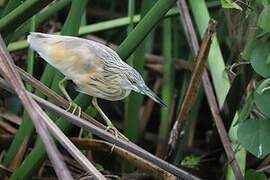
(253, 132)
(230, 4)
(30, 58)
(252, 135)
(258, 59)
(247, 132)
(263, 21)
(262, 98)
(191, 162)
(168, 79)
(11, 5)
(251, 44)
(254, 175)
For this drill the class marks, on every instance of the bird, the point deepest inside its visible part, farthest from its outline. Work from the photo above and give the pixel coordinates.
(95, 69)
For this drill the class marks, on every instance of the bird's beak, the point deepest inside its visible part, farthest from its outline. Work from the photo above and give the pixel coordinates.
(145, 90)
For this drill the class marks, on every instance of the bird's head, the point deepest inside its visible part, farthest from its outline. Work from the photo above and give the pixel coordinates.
(137, 84)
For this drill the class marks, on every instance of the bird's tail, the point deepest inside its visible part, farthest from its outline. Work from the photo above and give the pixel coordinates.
(35, 37)
(36, 41)
(40, 41)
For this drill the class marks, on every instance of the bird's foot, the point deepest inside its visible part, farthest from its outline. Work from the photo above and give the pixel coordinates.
(116, 132)
(75, 107)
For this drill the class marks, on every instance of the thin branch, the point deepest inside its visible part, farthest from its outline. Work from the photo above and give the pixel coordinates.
(135, 160)
(73, 150)
(7, 127)
(221, 128)
(9, 116)
(128, 146)
(188, 26)
(34, 111)
(264, 164)
(194, 45)
(5, 169)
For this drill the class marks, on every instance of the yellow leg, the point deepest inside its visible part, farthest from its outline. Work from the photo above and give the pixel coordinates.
(108, 122)
(71, 103)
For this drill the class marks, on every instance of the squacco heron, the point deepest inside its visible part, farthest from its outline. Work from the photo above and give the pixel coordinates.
(96, 69)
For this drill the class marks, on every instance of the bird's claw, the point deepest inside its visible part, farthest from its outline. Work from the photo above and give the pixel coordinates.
(116, 132)
(72, 104)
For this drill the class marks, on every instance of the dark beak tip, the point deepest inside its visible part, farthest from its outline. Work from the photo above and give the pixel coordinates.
(163, 104)
(152, 95)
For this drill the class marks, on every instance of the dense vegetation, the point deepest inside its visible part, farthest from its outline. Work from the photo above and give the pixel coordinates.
(214, 79)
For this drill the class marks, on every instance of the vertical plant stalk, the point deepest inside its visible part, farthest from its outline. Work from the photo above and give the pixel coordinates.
(135, 100)
(30, 58)
(188, 26)
(167, 86)
(34, 111)
(144, 27)
(222, 131)
(194, 45)
(199, 67)
(131, 13)
(216, 63)
(132, 103)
